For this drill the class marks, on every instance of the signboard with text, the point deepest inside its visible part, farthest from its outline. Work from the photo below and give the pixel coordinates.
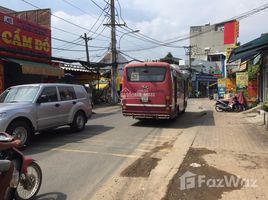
(21, 37)
(241, 81)
(221, 87)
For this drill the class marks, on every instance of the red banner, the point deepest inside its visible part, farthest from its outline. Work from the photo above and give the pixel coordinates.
(231, 32)
(19, 36)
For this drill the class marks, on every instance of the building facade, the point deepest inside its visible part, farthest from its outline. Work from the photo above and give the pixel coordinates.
(213, 42)
(213, 39)
(25, 49)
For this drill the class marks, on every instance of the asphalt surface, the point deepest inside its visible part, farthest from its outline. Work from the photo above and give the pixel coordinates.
(74, 165)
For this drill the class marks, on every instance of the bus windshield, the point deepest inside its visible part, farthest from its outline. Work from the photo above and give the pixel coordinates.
(146, 74)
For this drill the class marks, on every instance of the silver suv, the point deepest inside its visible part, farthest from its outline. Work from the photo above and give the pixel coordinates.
(26, 109)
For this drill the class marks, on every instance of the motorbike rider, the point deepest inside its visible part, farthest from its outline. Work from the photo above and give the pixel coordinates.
(6, 167)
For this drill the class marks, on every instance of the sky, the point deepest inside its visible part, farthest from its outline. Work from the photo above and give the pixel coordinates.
(157, 20)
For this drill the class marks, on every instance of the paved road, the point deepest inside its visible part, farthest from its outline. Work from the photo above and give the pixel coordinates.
(75, 164)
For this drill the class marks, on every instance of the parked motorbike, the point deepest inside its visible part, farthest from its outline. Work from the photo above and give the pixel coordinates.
(222, 105)
(232, 105)
(27, 175)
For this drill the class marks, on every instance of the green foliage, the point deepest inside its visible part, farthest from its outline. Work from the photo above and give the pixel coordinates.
(253, 71)
(169, 59)
(265, 106)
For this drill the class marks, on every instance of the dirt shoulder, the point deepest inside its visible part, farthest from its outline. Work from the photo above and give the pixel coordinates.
(138, 179)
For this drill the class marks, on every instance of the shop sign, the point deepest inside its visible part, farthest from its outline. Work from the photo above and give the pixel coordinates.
(221, 87)
(241, 81)
(20, 36)
(205, 78)
(230, 85)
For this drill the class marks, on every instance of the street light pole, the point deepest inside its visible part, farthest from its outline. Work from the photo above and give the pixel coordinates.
(135, 31)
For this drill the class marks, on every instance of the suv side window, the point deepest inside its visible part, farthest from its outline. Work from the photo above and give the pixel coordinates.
(66, 93)
(49, 94)
(80, 92)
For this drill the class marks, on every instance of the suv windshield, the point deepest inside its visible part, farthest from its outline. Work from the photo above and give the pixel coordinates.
(19, 94)
(146, 74)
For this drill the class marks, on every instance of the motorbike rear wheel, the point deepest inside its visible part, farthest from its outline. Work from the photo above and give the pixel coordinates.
(218, 109)
(29, 183)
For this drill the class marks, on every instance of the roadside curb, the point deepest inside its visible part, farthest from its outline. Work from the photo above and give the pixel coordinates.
(106, 108)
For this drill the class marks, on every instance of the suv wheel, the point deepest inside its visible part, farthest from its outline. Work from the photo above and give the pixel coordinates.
(78, 122)
(20, 130)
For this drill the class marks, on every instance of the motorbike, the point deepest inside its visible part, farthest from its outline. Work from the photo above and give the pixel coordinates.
(232, 105)
(27, 174)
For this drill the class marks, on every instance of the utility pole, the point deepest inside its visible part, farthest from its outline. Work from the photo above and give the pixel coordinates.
(86, 43)
(188, 50)
(113, 52)
(113, 49)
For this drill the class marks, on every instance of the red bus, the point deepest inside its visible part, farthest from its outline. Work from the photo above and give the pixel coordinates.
(154, 90)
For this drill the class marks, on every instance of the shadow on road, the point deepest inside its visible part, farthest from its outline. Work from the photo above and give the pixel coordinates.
(52, 196)
(186, 120)
(99, 115)
(61, 136)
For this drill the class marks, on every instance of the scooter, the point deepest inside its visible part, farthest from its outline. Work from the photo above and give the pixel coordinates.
(228, 106)
(27, 175)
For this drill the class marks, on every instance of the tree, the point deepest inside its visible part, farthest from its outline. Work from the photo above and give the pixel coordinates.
(169, 59)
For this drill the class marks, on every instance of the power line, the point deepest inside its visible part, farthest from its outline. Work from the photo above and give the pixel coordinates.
(64, 31)
(251, 12)
(99, 47)
(186, 37)
(94, 32)
(135, 59)
(90, 30)
(69, 22)
(101, 7)
(70, 46)
(74, 6)
(120, 11)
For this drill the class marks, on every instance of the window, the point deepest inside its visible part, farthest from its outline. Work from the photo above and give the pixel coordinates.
(195, 29)
(80, 92)
(49, 94)
(146, 74)
(66, 93)
(20, 94)
(219, 28)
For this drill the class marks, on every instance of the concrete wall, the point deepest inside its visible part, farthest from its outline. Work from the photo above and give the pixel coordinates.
(208, 37)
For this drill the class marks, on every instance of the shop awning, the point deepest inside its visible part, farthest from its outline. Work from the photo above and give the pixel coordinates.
(250, 49)
(29, 67)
